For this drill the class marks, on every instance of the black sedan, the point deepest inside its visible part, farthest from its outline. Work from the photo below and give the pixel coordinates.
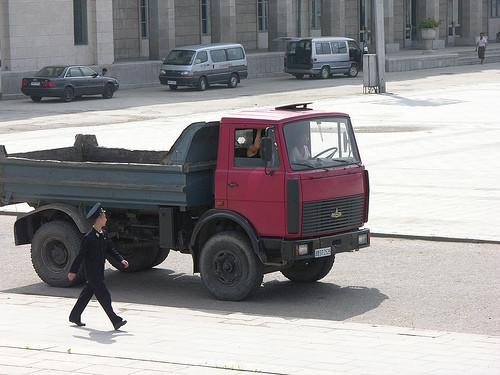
(67, 83)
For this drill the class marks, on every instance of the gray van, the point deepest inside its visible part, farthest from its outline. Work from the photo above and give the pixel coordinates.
(323, 57)
(203, 65)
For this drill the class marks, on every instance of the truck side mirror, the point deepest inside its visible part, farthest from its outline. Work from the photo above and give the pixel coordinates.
(266, 149)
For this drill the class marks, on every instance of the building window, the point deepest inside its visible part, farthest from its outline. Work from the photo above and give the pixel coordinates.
(80, 21)
(144, 18)
(316, 14)
(262, 14)
(495, 8)
(205, 17)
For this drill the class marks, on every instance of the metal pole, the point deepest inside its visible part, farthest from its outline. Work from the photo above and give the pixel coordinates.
(380, 43)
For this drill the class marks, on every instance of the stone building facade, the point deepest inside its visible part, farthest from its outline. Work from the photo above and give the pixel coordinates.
(35, 33)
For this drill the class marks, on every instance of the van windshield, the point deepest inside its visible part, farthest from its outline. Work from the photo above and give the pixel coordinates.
(179, 57)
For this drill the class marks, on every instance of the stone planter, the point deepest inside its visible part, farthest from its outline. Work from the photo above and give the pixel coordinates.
(428, 36)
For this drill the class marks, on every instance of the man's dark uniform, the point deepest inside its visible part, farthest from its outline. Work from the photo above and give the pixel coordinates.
(95, 248)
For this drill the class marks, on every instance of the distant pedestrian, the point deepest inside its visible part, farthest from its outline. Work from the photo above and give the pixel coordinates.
(95, 248)
(481, 46)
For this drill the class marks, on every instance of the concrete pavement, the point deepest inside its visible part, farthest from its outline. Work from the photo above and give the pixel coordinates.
(169, 340)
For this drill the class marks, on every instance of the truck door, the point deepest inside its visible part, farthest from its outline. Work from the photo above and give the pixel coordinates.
(254, 191)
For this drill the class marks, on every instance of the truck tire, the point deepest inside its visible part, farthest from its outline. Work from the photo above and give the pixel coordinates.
(229, 268)
(308, 271)
(54, 247)
(139, 258)
(162, 255)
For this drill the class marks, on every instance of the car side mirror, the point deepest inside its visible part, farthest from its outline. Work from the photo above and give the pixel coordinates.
(266, 149)
(94, 75)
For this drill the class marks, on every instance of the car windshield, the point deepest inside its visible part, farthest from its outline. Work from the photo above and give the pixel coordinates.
(50, 71)
(320, 143)
(179, 57)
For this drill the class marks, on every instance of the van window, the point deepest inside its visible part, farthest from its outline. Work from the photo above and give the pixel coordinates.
(235, 53)
(323, 48)
(218, 55)
(179, 57)
(339, 47)
(201, 57)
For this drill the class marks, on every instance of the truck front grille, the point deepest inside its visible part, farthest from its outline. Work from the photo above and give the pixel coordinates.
(333, 214)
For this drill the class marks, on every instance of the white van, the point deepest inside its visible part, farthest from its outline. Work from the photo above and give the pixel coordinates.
(203, 65)
(323, 57)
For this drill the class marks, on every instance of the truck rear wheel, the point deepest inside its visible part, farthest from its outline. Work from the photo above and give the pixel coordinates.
(229, 268)
(310, 270)
(139, 258)
(53, 248)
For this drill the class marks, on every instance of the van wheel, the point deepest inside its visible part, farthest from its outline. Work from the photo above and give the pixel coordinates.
(172, 87)
(325, 72)
(299, 76)
(202, 84)
(229, 268)
(310, 270)
(353, 71)
(233, 81)
(54, 247)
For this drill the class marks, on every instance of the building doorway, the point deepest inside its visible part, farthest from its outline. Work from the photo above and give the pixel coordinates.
(454, 21)
(410, 23)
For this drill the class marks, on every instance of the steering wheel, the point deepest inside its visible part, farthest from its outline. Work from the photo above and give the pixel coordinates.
(333, 149)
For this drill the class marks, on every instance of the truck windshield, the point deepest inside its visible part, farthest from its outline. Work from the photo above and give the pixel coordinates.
(320, 143)
(179, 57)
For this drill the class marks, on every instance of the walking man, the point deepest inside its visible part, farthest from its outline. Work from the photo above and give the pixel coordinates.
(481, 46)
(95, 247)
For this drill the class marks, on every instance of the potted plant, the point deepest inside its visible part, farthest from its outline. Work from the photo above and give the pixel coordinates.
(428, 27)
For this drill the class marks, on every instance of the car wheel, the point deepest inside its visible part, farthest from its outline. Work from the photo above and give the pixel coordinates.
(353, 71)
(172, 87)
(109, 90)
(324, 73)
(233, 81)
(299, 76)
(202, 84)
(68, 94)
(36, 99)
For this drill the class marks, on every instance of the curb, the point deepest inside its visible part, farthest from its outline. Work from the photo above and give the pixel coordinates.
(433, 238)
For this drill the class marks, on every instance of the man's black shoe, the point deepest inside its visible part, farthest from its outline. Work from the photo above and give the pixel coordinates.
(119, 324)
(78, 323)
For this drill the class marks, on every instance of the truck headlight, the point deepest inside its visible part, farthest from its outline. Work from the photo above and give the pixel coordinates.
(363, 239)
(301, 249)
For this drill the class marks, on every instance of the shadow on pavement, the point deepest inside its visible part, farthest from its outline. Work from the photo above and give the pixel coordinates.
(101, 337)
(163, 287)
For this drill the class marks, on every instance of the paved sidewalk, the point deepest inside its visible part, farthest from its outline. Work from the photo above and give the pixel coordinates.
(36, 338)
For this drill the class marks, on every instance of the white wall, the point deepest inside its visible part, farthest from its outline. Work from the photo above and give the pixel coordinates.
(41, 33)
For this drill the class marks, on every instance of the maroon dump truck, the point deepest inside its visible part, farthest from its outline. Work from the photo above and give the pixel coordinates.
(301, 199)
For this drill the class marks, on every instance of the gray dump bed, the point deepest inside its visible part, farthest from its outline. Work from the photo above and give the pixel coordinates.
(119, 178)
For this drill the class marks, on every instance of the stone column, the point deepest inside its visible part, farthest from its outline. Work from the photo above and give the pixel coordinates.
(390, 46)
(4, 39)
(472, 21)
(105, 52)
(333, 18)
(281, 22)
(161, 28)
(223, 24)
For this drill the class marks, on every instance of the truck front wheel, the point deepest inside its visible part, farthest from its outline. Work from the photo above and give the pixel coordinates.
(53, 248)
(229, 268)
(310, 270)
